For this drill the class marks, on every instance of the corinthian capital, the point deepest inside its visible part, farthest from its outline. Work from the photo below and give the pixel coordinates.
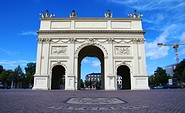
(39, 40)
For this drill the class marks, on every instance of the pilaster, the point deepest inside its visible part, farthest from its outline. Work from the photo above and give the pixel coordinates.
(39, 55)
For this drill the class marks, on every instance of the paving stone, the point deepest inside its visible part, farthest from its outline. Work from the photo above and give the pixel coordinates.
(96, 101)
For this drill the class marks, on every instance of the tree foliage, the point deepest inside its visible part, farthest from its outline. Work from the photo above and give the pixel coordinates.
(159, 78)
(179, 72)
(1, 69)
(16, 77)
(30, 71)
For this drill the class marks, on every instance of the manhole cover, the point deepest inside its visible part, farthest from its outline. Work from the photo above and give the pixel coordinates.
(95, 101)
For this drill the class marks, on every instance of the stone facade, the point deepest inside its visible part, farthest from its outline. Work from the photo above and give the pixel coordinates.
(115, 41)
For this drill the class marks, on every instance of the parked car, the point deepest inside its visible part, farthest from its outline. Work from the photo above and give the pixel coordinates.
(159, 87)
(2, 86)
(173, 87)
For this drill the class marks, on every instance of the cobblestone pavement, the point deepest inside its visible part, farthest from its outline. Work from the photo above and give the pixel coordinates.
(96, 101)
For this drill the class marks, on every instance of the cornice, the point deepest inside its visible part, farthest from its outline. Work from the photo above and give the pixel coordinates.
(90, 31)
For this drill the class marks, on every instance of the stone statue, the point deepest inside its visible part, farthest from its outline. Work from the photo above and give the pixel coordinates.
(47, 15)
(134, 15)
(108, 14)
(73, 14)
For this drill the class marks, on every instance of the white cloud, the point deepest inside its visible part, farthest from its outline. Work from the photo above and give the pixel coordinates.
(28, 33)
(151, 4)
(96, 63)
(91, 62)
(8, 52)
(155, 52)
(182, 38)
(182, 52)
(85, 60)
(7, 64)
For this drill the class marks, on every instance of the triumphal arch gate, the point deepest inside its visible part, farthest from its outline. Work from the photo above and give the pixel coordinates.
(117, 42)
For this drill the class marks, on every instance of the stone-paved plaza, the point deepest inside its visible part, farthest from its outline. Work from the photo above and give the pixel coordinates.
(92, 101)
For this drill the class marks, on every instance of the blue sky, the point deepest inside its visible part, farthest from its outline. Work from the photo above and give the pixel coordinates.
(164, 21)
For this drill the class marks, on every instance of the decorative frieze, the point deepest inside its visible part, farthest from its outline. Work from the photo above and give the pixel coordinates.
(96, 40)
(91, 40)
(122, 50)
(72, 40)
(59, 50)
(110, 40)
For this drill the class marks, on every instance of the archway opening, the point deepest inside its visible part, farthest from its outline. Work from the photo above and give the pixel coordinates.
(123, 78)
(93, 80)
(90, 73)
(58, 77)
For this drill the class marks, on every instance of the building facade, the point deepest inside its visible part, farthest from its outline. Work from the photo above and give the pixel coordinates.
(170, 69)
(93, 77)
(117, 42)
(94, 80)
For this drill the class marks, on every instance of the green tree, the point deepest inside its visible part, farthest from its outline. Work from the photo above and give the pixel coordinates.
(81, 83)
(161, 77)
(152, 81)
(6, 77)
(1, 69)
(9, 74)
(3, 77)
(87, 83)
(179, 72)
(30, 71)
(17, 76)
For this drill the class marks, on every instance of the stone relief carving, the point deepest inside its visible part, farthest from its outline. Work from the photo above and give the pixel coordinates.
(122, 50)
(57, 50)
(91, 40)
(72, 40)
(110, 40)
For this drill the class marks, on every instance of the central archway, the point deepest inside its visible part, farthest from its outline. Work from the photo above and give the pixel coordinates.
(90, 51)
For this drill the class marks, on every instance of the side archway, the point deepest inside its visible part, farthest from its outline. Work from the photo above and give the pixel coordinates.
(123, 73)
(58, 77)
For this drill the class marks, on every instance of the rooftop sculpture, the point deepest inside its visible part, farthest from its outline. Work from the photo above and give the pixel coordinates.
(135, 15)
(47, 15)
(108, 14)
(73, 14)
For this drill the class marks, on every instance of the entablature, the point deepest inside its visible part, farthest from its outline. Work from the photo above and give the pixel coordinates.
(91, 24)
